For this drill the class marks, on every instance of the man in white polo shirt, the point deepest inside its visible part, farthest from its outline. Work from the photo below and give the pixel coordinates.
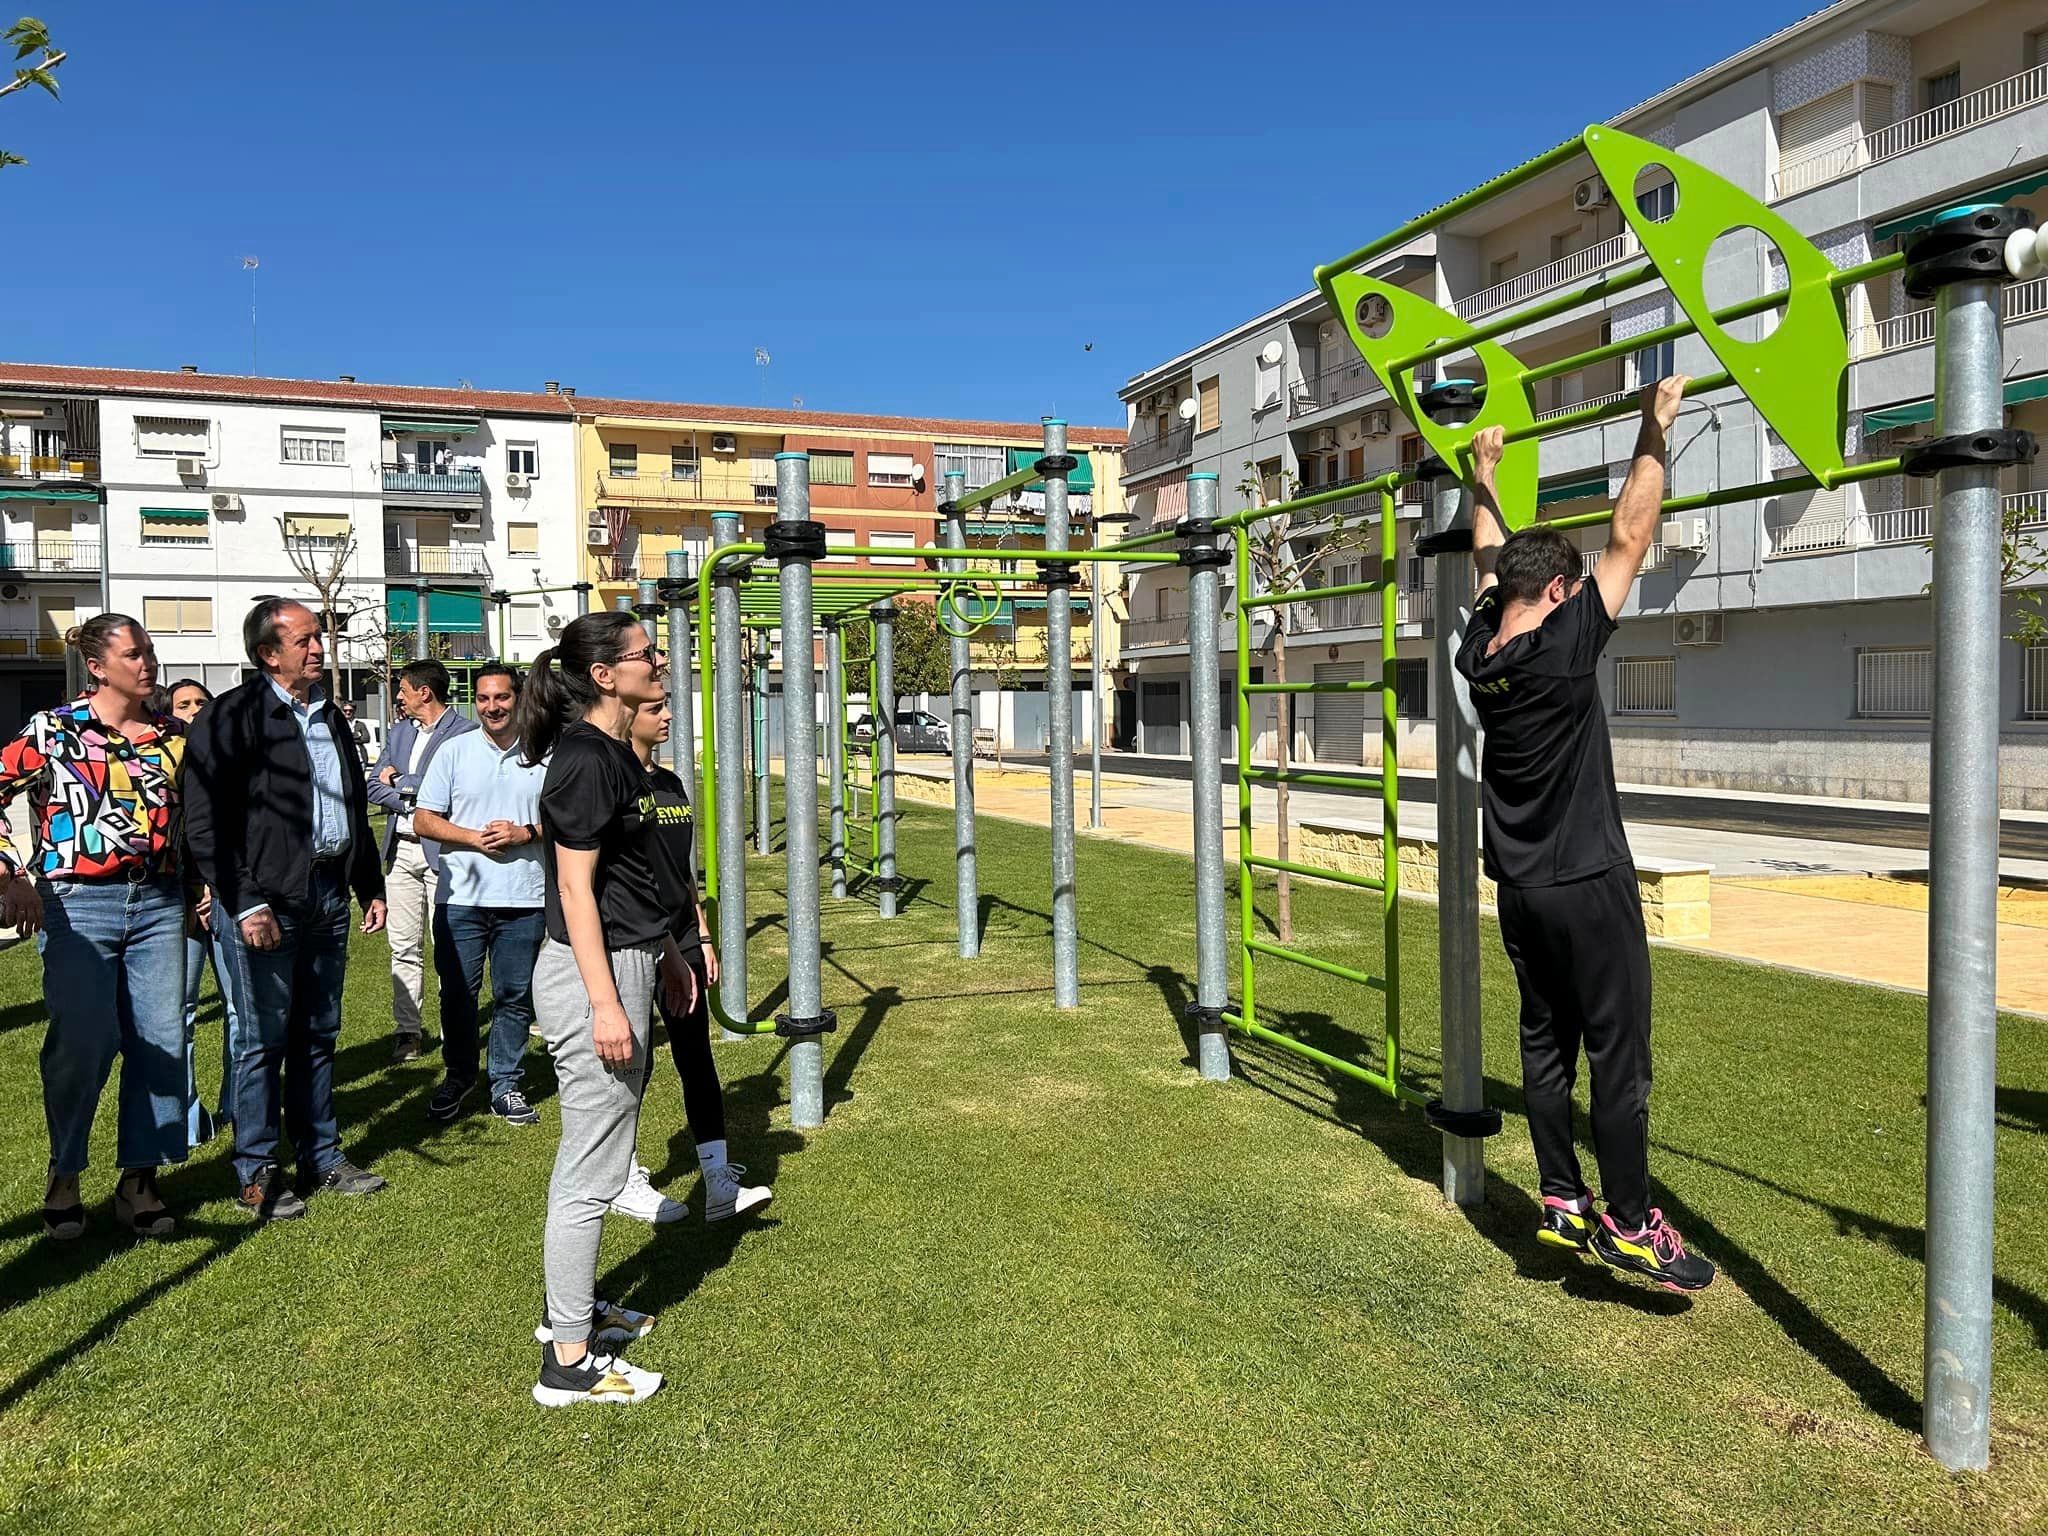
(481, 803)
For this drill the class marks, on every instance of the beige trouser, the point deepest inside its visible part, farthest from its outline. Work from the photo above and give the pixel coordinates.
(409, 898)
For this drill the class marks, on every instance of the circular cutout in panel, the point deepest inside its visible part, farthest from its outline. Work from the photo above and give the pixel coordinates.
(1375, 316)
(1742, 263)
(1656, 193)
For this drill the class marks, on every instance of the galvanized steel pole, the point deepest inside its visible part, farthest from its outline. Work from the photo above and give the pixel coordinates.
(1212, 926)
(1059, 688)
(420, 632)
(835, 751)
(728, 738)
(960, 663)
(884, 616)
(682, 679)
(1962, 926)
(800, 793)
(1457, 816)
(764, 655)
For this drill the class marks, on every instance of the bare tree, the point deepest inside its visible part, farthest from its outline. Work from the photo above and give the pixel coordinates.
(30, 36)
(322, 562)
(1286, 551)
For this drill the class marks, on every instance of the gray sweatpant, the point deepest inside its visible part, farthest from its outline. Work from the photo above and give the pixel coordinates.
(600, 1118)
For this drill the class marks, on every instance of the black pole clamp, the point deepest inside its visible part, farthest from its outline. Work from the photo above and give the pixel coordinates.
(1453, 395)
(887, 883)
(1451, 541)
(791, 1028)
(1057, 573)
(883, 613)
(947, 508)
(1057, 464)
(789, 539)
(730, 573)
(1471, 1123)
(673, 589)
(1189, 527)
(1205, 557)
(1966, 248)
(1994, 447)
(1208, 1021)
(1433, 468)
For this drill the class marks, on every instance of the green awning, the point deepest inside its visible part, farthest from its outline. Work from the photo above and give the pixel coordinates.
(177, 514)
(452, 612)
(36, 493)
(2003, 193)
(1572, 490)
(997, 530)
(1080, 479)
(432, 428)
(2034, 387)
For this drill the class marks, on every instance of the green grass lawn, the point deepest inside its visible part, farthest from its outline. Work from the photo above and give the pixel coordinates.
(1035, 1275)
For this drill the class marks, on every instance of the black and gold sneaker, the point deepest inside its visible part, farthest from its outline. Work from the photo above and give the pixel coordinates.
(1567, 1223)
(595, 1378)
(1656, 1252)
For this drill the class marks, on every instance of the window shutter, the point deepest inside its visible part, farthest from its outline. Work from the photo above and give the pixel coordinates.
(1829, 123)
(522, 538)
(1210, 412)
(160, 614)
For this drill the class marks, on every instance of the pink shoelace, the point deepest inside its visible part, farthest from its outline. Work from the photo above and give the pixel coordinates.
(1665, 1241)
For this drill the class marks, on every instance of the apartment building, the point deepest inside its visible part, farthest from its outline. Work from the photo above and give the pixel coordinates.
(655, 473)
(181, 497)
(1775, 645)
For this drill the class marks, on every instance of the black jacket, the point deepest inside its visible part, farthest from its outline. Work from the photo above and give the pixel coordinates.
(248, 802)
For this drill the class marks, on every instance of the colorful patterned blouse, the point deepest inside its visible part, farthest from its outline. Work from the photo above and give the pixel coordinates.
(103, 804)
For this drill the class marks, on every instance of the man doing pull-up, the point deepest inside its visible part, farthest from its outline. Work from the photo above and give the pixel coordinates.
(1570, 915)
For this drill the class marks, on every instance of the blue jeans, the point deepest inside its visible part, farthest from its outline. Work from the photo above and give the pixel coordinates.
(511, 937)
(287, 1004)
(200, 1125)
(113, 954)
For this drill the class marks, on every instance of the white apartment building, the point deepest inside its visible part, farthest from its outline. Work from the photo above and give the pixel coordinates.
(1774, 645)
(181, 497)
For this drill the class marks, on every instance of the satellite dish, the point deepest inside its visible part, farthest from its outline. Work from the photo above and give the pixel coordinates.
(917, 474)
(1270, 354)
(1188, 409)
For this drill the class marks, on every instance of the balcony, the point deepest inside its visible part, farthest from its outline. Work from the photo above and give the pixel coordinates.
(21, 644)
(431, 488)
(1900, 525)
(1359, 610)
(1915, 328)
(1658, 558)
(712, 483)
(1998, 99)
(1341, 381)
(443, 645)
(1150, 453)
(1568, 269)
(1585, 405)
(63, 467)
(461, 562)
(1173, 630)
(51, 557)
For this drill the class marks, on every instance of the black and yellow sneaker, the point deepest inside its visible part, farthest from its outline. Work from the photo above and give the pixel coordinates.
(1656, 1252)
(1567, 1223)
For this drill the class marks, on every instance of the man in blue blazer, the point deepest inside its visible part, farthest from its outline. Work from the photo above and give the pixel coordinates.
(412, 865)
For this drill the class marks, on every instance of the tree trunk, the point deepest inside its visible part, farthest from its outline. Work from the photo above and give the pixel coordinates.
(1283, 891)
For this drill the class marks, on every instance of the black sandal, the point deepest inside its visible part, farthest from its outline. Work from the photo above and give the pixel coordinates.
(62, 1223)
(136, 1185)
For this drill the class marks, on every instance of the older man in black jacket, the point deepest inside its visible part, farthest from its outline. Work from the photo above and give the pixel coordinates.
(277, 824)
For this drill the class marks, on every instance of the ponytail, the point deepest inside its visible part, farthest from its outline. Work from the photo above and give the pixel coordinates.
(542, 710)
(559, 690)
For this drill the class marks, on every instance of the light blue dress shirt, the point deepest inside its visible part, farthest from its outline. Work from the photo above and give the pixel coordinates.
(330, 795)
(472, 783)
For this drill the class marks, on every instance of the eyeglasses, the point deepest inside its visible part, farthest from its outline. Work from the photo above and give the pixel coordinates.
(651, 654)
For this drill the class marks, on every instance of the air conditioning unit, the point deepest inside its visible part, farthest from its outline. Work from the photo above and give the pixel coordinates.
(1699, 628)
(1685, 533)
(1590, 194)
(724, 442)
(515, 481)
(465, 517)
(225, 501)
(190, 468)
(11, 591)
(1324, 438)
(1378, 423)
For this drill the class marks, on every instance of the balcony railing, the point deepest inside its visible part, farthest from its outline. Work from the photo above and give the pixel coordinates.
(1330, 386)
(428, 482)
(51, 557)
(1584, 405)
(1915, 328)
(1945, 121)
(30, 642)
(1171, 630)
(713, 482)
(437, 560)
(1525, 285)
(1897, 525)
(1359, 610)
(444, 644)
(26, 466)
(1655, 560)
(1149, 453)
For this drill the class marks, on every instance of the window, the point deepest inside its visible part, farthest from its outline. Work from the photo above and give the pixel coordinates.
(1895, 682)
(980, 463)
(316, 531)
(1646, 685)
(1209, 408)
(171, 437)
(315, 445)
(1658, 203)
(178, 615)
(893, 541)
(522, 459)
(1654, 363)
(682, 461)
(522, 538)
(176, 527)
(1411, 689)
(1500, 271)
(2037, 49)
(890, 469)
(1939, 90)
(526, 621)
(831, 468)
(839, 539)
(2034, 683)
(624, 460)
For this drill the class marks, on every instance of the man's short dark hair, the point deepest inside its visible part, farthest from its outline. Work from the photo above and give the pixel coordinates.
(259, 629)
(428, 674)
(1531, 559)
(495, 669)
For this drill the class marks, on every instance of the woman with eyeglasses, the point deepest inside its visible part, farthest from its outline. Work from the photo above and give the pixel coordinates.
(607, 949)
(184, 701)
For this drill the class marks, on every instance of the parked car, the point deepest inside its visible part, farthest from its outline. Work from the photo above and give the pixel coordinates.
(917, 730)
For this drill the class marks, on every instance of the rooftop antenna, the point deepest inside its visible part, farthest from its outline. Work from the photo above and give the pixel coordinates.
(761, 361)
(249, 265)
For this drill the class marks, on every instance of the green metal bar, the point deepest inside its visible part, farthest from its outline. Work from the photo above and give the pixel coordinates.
(1877, 469)
(995, 490)
(1390, 792)
(1600, 288)
(1302, 594)
(1385, 1084)
(1142, 541)
(1372, 686)
(1629, 405)
(1316, 963)
(1314, 499)
(1241, 555)
(1564, 154)
(1304, 776)
(1334, 876)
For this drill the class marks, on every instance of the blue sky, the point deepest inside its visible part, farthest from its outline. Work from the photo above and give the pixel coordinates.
(914, 209)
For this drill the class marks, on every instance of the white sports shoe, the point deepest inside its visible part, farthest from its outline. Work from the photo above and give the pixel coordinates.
(593, 1379)
(725, 1196)
(643, 1202)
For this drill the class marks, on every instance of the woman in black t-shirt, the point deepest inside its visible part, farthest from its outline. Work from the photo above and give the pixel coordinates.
(607, 949)
(689, 1018)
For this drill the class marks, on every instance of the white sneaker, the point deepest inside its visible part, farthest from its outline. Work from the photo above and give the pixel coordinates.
(595, 1378)
(610, 1323)
(643, 1202)
(725, 1196)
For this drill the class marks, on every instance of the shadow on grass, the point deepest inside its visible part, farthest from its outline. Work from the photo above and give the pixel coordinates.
(2019, 1109)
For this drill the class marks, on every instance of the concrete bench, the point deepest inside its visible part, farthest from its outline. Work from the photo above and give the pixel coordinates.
(1677, 895)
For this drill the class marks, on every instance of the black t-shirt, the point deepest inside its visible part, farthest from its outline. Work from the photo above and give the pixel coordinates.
(1552, 812)
(596, 796)
(672, 849)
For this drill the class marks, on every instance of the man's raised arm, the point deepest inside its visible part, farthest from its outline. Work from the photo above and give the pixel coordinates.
(1489, 527)
(1641, 501)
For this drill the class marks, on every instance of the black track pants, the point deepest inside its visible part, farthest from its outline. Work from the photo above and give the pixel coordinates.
(689, 1041)
(1583, 962)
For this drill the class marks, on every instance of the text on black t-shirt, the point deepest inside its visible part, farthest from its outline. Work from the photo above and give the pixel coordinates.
(596, 797)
